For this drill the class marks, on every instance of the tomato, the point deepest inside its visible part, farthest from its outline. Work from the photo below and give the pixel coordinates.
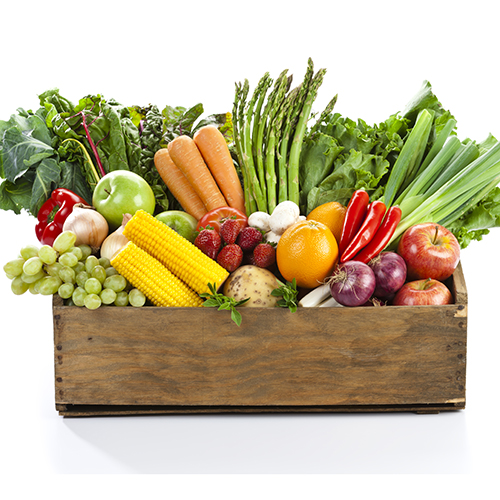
(217, 216)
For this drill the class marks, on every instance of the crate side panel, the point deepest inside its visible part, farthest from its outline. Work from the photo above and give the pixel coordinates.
(183, 356)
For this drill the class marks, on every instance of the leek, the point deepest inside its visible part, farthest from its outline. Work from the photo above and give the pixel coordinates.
(410, 157)
(423, 181)
(438, 144)
(455, 196)
(466, 154)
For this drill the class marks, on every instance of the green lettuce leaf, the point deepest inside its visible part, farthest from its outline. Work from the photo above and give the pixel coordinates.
(316, 162)
(357, 171)
(478, 221)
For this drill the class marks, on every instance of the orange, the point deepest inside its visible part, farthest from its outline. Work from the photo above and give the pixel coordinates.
(332, 215)
(307, 251)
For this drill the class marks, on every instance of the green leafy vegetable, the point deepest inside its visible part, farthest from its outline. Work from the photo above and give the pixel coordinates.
(31, 164)
(288, 293)
(104, 126)
(219, 300)
(70, 145)
(149, 122)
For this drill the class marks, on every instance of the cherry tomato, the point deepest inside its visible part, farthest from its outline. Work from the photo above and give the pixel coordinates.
(217, 216)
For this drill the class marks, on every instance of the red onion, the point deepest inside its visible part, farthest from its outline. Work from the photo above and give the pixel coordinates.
(352, 283)
(390, 274)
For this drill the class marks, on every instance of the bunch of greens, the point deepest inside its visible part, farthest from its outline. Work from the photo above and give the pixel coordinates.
(413, 159)
(32, 163)
(73, 146)
(269, 130)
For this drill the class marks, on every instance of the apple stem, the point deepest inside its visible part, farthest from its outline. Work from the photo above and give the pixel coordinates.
(436, 235)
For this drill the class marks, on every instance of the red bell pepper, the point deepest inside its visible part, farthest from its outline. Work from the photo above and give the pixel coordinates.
(382, 236)
(367, 231)
(354, 216)
(53, 214)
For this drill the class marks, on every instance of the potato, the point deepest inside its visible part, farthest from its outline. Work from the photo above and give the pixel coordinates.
(254, 282)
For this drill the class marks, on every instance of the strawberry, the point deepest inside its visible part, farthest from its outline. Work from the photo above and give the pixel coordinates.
(249, 238)
(229, 230)
(230, 257)
(209, 242)
(264, 255)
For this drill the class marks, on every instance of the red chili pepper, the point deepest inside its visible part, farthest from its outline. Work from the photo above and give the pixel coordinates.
(354, 216)
(382, 236)
(53, 214)
(367, 231)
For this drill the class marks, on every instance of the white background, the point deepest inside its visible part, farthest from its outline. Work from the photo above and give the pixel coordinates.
(377, 55)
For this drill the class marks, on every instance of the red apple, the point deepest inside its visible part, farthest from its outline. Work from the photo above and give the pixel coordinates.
(426, 292)
(430, 251)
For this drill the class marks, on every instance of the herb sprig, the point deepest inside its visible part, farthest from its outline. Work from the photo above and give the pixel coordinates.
(288, 293)
(219, 300)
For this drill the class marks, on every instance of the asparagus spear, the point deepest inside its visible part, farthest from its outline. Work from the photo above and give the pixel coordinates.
(324, 115)
(295, 149)
(265, 82)
(241, 93)
(291, 118)
(275, 108)
(283, 129)
(255, 188)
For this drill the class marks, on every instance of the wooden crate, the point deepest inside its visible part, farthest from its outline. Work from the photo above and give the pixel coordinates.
(126, 361)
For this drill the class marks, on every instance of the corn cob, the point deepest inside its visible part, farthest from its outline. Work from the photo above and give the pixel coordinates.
(176, 253)
(153, 279)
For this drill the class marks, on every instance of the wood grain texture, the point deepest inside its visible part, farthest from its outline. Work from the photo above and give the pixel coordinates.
(197, 359)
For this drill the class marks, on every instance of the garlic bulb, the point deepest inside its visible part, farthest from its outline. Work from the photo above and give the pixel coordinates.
(115, 241)
(90, 227)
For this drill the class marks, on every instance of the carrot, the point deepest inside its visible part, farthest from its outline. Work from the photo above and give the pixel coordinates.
(178, 185)
(215, 152)
(187, 157)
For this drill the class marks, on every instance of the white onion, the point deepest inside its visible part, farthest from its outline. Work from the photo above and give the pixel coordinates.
(115, 241)
(90, 227)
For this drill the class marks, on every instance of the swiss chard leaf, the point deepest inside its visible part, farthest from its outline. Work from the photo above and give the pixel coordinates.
(179, 121)
(109, 125)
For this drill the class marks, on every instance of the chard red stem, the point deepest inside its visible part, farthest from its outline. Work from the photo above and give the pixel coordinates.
(92, 145)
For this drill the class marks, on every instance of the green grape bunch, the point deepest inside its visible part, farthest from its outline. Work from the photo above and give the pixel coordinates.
(80, 278)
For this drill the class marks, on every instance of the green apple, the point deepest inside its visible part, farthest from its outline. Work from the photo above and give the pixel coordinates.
(181, 222)
(122, 192)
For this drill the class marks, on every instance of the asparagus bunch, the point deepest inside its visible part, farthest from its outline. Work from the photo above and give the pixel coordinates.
(269, 130)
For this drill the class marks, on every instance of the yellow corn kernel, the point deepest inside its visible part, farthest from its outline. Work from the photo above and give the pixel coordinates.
(176, 253)
(153, 279)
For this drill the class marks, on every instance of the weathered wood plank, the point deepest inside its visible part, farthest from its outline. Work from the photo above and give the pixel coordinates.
(338, 357)
(119, 410)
